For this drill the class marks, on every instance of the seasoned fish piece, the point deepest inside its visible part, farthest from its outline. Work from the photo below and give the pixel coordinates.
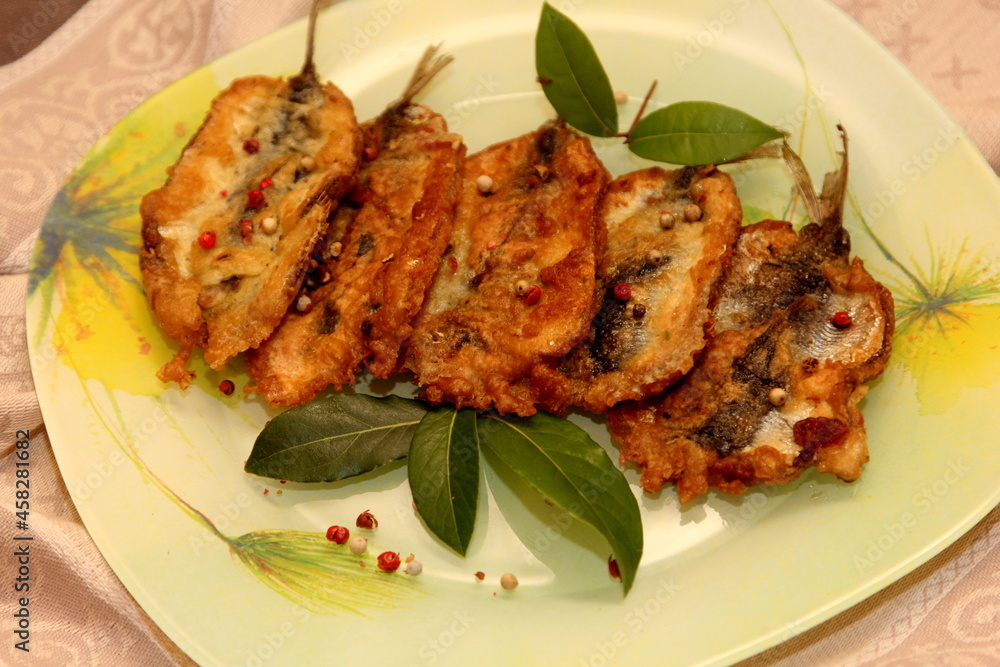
(227, 238)
(387, 237)
(799, 329)
(517, 289)
(670, 234)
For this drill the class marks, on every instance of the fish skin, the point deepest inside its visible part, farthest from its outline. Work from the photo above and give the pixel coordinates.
(477, 343)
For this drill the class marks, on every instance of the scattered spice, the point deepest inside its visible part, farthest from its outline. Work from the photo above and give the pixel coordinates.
(638, 311)
(621, 97)
(227, 387)
(613, 568)
(366, 520)
(388, 561)
(692, 213)
(207, 240)
(508, 581)
(480, 575)
(533, 295)
(413, 568)
(622, 291)
(266, 183)
(338, 534)
(654, 257)
(522, 287)
(667, 220)
(777, 396)
(484, 184)
(269, 225)
(841, 319)
(223, 193)
(255, 200)
(358, 545)
(251, 146)
(307, 163)
(303, 304)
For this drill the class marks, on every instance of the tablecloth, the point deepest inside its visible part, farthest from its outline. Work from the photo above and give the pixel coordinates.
(59, 97)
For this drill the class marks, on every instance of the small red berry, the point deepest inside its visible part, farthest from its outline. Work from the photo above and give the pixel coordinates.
(841, 319)
(366, 520)
(266, 183)
(337, 534)
(613, 567)
(227, 387)
(533, 295)
(255, 200)
(251, 146)
(388, 561)
(207, 240)
(623, 291)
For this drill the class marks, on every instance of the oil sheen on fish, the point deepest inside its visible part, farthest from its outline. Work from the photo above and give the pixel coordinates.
(227, 238)
(385, 244)
(799, 328)
(670, 234)
(517, 287)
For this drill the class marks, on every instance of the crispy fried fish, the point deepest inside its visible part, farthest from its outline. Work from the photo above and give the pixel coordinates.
(670, 234)
(388, 237)
(799, 328)
(227, 238)
(517, 288)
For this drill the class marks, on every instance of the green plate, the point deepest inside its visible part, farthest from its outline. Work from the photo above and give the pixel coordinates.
(237, 571)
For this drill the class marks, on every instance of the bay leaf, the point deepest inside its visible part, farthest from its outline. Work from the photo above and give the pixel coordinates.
(335, 437)
(572, 77)
(443, 467)
(697, 133)
(560, 461)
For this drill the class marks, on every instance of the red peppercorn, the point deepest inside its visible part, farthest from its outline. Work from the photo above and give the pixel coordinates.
(841, 319)
(223, 193)
(207, 240)
(338, 534)
(366, 520)
(623, 291)
(266, 183)
(227, 387)
(533, 295)
(251, 146)
(255, 200)
(388, 561)
(613, 567)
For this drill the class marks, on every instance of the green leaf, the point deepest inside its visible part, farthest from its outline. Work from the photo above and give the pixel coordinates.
(695, 133)
(559, 460)
(335, 437)
(572, 77)
(444, 474)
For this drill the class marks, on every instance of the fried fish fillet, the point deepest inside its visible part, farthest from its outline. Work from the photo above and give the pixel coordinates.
(670, 234)
(227, 238)
(389, 235)
(799, 328)
(517, 288)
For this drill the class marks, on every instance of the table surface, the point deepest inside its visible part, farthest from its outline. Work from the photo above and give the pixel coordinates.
(71, 70)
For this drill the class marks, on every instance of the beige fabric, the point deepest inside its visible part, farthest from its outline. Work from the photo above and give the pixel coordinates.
(56, 100)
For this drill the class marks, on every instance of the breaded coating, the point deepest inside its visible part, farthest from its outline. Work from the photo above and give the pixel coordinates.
(670, 234)
(799, 329)
(385, 244)
(227, 238)
(517, 289)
